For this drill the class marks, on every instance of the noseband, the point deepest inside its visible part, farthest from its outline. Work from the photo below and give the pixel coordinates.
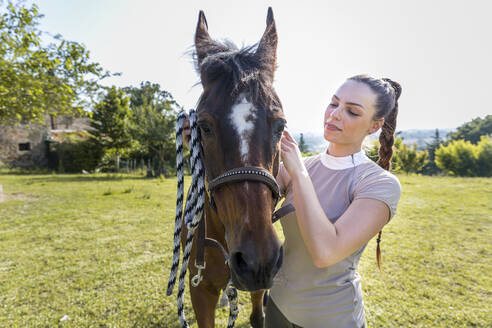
(247, 173)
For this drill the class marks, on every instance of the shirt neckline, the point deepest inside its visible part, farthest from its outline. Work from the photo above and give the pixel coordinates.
(344, 162)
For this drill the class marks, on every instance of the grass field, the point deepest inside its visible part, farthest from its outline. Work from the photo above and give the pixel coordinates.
(98, 249)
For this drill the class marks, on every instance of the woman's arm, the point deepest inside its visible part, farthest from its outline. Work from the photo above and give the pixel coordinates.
(326, 242)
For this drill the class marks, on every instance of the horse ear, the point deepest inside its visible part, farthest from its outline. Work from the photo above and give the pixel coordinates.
(202, 38)
(267, 49)
(204, 44)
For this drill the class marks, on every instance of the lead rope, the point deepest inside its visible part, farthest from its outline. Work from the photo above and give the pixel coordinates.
(192, 216)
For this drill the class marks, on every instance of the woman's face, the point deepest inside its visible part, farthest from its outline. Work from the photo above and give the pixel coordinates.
(349, 116)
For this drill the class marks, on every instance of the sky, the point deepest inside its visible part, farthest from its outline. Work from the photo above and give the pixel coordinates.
(439, 51)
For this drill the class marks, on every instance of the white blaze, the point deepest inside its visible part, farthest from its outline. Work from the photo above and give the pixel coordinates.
(242, 116)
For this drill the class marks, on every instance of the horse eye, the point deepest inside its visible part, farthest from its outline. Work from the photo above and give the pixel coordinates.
(205, 129)
(279, 127)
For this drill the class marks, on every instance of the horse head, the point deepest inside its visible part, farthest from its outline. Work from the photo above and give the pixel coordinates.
(241, 121)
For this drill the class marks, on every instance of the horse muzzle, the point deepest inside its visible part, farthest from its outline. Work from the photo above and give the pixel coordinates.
(248, 273)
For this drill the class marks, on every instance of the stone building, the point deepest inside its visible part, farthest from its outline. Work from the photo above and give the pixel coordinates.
(26, 145)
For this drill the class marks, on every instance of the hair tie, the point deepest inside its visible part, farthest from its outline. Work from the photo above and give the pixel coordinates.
(395, 85)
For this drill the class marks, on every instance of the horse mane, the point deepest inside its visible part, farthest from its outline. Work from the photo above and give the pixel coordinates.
(237, 70)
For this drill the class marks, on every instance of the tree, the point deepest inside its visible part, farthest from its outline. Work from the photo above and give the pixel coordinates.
(303, 147)
(472, 131)
(153, 124)
(37, 79)
(431, 167)
(111, 122)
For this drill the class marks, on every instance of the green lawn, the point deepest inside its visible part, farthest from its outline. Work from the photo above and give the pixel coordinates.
(98, 249)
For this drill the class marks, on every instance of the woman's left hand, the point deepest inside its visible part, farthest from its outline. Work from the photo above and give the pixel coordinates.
(291, 155)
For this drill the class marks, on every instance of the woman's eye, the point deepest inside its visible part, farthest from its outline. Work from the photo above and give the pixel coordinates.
(332, 105)
(353, 113)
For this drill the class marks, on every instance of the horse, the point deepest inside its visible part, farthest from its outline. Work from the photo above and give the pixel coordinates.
(240, 119)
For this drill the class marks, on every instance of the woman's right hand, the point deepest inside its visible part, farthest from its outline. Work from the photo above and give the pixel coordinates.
(186, 132)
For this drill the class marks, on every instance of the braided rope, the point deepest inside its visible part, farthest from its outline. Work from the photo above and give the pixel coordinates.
(179, 203)
(233, 304)
(192, 216)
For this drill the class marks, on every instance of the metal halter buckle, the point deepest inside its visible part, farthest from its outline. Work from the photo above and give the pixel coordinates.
(195, 281)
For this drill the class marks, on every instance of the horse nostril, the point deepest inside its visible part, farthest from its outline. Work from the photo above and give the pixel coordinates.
(239, 263)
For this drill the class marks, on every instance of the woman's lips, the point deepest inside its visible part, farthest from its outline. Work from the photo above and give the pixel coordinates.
(332, 127)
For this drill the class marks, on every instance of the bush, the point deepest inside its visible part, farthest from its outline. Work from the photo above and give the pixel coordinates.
(405, 158)
(76, 153)
(462, 158)
(409, 159)
(484, 157)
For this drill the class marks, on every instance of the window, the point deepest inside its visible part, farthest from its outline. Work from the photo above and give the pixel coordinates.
(25, 146)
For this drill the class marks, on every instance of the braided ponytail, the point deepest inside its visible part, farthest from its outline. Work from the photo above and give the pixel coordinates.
(388, 92)
(386, 141)
(387, 136)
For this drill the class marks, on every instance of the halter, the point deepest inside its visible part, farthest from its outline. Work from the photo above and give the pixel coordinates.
(193, 215)
(247, 173)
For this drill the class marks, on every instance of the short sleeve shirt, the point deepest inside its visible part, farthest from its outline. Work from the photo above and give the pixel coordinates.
(314, 297)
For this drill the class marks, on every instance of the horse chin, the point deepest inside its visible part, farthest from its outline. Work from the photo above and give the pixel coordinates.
(249, 286)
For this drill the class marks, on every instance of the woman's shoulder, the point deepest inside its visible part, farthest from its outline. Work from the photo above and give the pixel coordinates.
(310, 160)
(371, 173)
(376, 183)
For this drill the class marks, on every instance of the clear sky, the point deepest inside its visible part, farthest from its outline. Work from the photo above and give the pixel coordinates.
(439, 51)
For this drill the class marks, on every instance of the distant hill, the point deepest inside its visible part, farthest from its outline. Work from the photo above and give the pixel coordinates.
(317, 143)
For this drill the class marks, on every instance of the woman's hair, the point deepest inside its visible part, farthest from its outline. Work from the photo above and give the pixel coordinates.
(386, 106)
(387, 92)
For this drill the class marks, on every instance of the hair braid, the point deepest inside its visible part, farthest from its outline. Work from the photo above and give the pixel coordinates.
(386, 140)
(387, 136)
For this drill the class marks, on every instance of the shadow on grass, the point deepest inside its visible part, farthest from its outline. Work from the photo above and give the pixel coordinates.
(77, 178)
(86, 178)
(152, 320)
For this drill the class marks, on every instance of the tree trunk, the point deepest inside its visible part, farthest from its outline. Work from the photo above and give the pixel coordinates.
(118, 162)
(149, 170)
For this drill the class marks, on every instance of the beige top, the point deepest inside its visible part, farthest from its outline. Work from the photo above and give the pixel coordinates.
(329, 297)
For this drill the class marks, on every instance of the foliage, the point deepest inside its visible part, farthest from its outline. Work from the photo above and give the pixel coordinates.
(37, 79)
(111, 122)
(462, 158)
(76, 153)
(303, 147)
(457, 158)
(373, 153)
(484, 157)
(154, 114)
(472, 131)
(409, 159)
(308, 154)
(431, 168)
(103, 260)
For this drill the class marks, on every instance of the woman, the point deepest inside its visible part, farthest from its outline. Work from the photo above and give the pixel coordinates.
(342, 199)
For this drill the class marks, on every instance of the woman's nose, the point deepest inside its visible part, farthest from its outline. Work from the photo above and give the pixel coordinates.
(335, 113)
